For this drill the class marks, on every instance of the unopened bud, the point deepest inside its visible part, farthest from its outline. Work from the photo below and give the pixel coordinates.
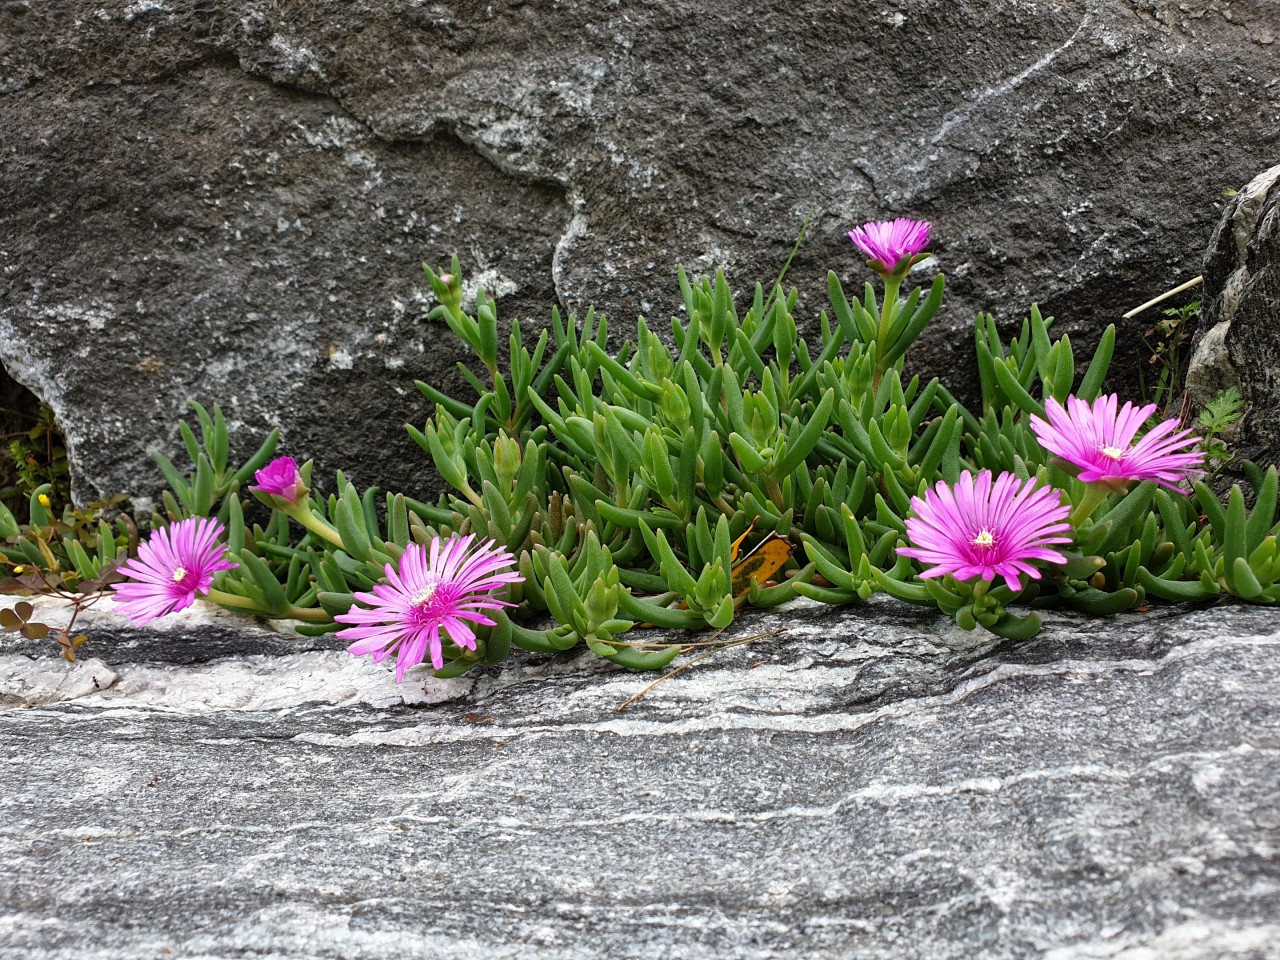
(675, 405)
(506, 457)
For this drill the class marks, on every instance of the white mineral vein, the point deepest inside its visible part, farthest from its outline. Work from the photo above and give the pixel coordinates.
(1006, 86)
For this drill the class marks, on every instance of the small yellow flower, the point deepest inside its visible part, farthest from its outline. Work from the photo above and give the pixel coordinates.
(19, 568)
(44, 500)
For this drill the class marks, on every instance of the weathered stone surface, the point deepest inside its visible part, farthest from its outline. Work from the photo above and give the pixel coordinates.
(873, 783)
(243, 260)
(1238, 340)
(228, 201)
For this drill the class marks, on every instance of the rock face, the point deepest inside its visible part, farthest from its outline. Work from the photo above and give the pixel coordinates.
(872, 783)
(1238, 342)
(229, 202)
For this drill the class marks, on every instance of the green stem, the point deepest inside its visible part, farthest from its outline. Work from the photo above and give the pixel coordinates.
(237, 602)
(234, 601)
(892, 284)
(716, 359)
(302, 513)
(775, 494)
(1094, 494)
(474, 497)
(309, 615)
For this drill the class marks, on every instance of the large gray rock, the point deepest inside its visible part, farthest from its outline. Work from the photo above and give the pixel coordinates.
(1238, 340)
(229, 201)
(873, 783)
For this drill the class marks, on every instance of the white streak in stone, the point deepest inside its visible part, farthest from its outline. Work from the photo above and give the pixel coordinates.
(575, 231)
(962, 114)
(26, 681)
(242, 684)
(881, 793)
(1193, 940)
(781, 720)
(771, 697)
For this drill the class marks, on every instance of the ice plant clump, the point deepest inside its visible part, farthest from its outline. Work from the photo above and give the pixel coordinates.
(281, 478)
(887, 242)
(175, 563)
(1097, 442)
(427, 594)
(987, 528)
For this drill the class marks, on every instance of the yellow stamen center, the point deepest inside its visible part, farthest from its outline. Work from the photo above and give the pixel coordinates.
(1115, 453)
(984, 539)
(179, 574)
(423, 596)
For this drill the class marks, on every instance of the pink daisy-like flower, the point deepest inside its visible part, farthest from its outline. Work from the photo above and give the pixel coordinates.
(175, 563)
(281, 478)
(987, 528)
(1098, 440)
(428, 594)
(888, 241)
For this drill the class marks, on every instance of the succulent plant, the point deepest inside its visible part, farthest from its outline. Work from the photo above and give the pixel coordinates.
(630, 483)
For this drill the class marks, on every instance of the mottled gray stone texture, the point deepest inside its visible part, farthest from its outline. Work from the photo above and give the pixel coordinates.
(1238, 340)
(874, 783)
(229, 201)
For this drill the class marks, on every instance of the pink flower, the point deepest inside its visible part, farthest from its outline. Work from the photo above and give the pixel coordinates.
(985, 528)
(889, 241)
(280, 478)
(175, 563)
(425, 595)
(1098, 440)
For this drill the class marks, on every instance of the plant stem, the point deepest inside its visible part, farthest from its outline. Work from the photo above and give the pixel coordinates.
(892, 284)
(474, 497)
(309, 615)
(302, 513)
(775, 494)
(236, 602)
(1094, 494)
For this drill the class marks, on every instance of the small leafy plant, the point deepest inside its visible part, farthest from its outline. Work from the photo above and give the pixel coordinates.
(1218, 416)
(1169, 342)
(71, 555)
(37, 458)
